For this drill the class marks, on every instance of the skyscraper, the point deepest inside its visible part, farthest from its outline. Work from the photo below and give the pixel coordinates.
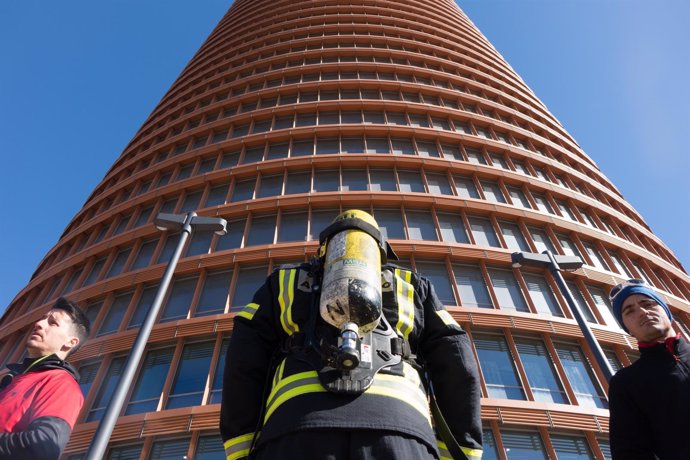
(288, 114)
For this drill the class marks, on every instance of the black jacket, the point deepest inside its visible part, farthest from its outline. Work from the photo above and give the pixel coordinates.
(650, 405)
(281, 307)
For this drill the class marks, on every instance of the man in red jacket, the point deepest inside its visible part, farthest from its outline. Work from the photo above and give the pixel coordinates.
(40, 398)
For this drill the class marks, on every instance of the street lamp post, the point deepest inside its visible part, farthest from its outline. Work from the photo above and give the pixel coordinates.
(555, 263)
(186, 223)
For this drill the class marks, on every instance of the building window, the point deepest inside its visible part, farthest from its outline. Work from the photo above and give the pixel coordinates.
(233, 238)
(605, 447)
(216, 195)
(125, 452)
(579, 374)
(298, 182)
(489, 445)
(438, 184)
(492, 192)
(540, 371)
(452, 152)
(390, 223)
(354, 180)
(541, 240)
(326, 181)
(523, 445)
(519, 198)
(483, 232)
(191, 202)
(465, 188)
(420, 225)
(217, 385)
(166, 253)
(293, 226)
(116, 312)
(209, 448)
(199, 244)
(95, 271)
(244, 190)
(169, 450)
(542, 296)
(595, 256)
(542, 203)
(471, 287)
(601, 300)
(411, 181)
(507, 290)
(452, 228)
(584, 308)
(87, 375)
(569, 248)
(192, 373)
(498, 368)
(475, 156)
(249, 279)
(565, 210)
(262, 230)
(438, 275)
(320, 219)
(144, 255)
(143, 307)
(382, 180)
(149, 387)
(214, 294)
(427, 149)
(119, 262)
(179, 300)
(270, 186)
(106, 389)
(618, 263)
(513, 237)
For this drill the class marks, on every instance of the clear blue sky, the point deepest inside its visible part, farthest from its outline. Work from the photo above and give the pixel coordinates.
(78, 78)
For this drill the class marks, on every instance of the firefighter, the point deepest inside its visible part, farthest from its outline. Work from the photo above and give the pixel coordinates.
(338, 359)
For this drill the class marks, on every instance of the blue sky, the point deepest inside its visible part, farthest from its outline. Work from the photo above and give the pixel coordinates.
(78, 78)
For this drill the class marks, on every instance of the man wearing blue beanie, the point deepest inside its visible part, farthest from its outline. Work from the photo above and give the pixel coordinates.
(649, 401)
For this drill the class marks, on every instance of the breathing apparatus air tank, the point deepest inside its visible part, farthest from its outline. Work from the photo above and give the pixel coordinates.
(351, 286)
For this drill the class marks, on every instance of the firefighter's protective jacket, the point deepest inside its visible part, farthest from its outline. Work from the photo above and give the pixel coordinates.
(295, 400)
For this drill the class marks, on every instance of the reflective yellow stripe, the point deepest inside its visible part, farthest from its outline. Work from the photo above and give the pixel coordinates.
(472, 454)
(238, 447)
(248, 311)
(446, 318)
(279, 374)
(285, 298)
(407, 389)
(443, 450)
(405, 297)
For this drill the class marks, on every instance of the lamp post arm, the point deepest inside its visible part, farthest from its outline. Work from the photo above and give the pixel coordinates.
(107, 424)
(580, 318)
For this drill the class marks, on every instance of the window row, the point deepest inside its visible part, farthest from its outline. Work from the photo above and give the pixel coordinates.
(520, 444)
(525, 100)
(205, 447)
(473, 285)
(169, 377)
(405, 223)
(529, 368)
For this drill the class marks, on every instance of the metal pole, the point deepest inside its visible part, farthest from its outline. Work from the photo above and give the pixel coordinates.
(580, 318)
(105, 428)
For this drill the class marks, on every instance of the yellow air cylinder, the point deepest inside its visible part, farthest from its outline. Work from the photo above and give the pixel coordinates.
(351, 286)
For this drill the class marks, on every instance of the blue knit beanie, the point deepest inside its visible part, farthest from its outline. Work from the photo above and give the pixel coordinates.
(636, 289)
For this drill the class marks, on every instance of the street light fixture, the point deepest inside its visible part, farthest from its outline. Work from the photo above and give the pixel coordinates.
(556, 263)
(186, 224)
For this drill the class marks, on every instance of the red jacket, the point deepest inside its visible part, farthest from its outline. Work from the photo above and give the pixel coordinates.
(39, 405)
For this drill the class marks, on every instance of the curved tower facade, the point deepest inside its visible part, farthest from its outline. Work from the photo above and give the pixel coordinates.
(293, 111)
